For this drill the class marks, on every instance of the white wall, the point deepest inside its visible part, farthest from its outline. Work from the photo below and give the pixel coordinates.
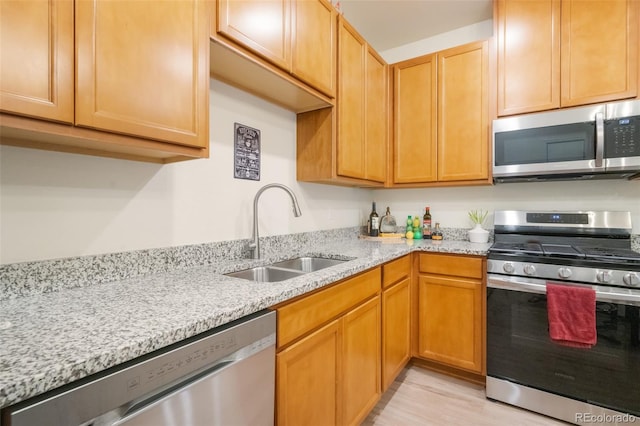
(449, 206)
(55, 205)
(480, 31)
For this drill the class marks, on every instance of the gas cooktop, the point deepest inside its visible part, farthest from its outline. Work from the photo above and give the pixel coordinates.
(590, 253)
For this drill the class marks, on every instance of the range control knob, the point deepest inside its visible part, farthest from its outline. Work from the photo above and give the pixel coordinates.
(603, 276)
(564, 272)
(631, 278)
(529, 269)
(508, 268)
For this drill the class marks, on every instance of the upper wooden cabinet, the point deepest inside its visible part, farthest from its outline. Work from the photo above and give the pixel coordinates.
(314, 44)
(376, 117)
(142, 73)
(142, 77)
(298, 36)
(36, 78)
(463, 113)
(352, 62)
(347, 145)
(441, 118)
(263, 26)
(415, 155)
(562, 53)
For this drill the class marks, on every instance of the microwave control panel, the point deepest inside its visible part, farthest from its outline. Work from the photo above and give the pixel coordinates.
(622, 137)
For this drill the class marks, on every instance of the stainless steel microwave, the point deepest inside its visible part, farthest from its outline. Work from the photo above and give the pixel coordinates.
(592, 142)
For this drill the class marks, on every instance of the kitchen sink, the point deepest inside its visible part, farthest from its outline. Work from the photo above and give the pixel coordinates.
(286, 269)
(266, 274)
(308, 264)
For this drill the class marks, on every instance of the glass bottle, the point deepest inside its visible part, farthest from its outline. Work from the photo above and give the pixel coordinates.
(426, 224)
(417, 228)
(437, 233)
(374, 222)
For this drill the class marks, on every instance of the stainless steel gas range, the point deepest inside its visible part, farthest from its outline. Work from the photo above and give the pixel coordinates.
(525, 367)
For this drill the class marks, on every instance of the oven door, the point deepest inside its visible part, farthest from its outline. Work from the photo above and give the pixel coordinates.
(520, 351)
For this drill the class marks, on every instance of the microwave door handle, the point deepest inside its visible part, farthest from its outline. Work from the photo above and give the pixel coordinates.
(599, 140)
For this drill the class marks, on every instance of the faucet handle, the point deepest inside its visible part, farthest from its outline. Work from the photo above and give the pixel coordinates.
(250, 250)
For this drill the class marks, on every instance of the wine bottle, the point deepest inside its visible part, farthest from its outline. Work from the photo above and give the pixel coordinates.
(426, 224)
(374, 222)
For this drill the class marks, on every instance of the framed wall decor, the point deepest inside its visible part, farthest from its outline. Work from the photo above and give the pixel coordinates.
(246, 152)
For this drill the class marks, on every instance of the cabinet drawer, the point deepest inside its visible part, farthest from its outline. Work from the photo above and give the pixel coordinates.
(444, 264)
(303, 315)
(395, 270)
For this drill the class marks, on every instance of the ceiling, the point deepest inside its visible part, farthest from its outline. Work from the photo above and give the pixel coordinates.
(386, 24)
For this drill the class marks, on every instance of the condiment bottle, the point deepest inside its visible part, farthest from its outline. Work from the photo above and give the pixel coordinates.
(409, 229)
(437, 233)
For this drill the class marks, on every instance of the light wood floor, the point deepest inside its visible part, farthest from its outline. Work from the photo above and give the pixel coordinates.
(422, 397)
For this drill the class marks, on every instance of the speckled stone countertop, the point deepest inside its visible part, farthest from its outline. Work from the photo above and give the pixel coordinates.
(54, 338)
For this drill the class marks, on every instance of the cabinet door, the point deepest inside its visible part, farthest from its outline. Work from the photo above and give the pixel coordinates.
(463, 113)
(361, 362)
(314, 44)
(396, 346)
(307, 374)
(376, 117)
(351, 98)
(264, 26)
(36, 59)
(599, 50)
(143, 69)
(414, 118)
(450, 321)
(528, 34)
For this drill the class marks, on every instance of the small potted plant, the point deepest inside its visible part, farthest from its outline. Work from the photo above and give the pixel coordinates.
(478, 234)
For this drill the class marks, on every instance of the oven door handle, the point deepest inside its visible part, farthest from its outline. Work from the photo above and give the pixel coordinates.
(623, 296)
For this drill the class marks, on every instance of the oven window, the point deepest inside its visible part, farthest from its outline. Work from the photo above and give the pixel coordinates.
(519, 350)
(570, 142)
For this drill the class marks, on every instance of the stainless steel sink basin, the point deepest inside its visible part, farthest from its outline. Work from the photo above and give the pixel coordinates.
(308, 264)
(266, 274)
(286, 269)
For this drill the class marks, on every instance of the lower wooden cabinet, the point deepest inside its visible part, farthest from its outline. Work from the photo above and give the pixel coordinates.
(361, 362)
(450, 311)
(396, 330)
(339, 348)
(329, 373)
(307, 379)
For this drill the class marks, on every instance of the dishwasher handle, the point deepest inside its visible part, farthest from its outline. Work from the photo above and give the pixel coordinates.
(216, 398)
(133, 409)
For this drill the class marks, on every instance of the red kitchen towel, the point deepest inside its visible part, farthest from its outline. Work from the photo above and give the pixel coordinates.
(572, 315)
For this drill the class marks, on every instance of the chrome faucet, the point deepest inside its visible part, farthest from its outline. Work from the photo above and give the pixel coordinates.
(254, 247)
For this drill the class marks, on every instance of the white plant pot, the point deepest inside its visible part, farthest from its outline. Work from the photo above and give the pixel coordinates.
(478, 235)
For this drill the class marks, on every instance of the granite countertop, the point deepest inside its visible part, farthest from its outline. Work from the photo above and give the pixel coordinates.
(52, 339)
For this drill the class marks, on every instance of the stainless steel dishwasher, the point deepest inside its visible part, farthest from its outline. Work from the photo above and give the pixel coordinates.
(222, 377)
